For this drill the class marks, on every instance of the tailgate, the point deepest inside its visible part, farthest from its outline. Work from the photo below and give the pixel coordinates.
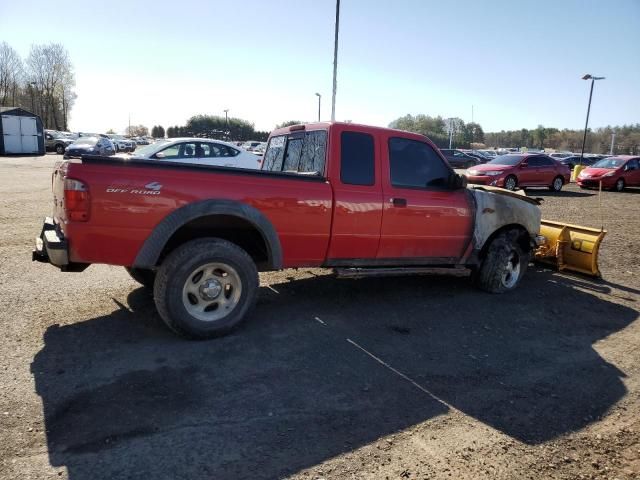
(57, 187)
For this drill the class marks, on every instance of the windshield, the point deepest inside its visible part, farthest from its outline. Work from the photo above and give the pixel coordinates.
(609, 163)
(91, 141)
(149, 150)
(506, 160)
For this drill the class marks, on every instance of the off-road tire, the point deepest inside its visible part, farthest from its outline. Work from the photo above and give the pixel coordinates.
(144, 277)
(60, 149)
(489, 276)
(180, 265)
(515, 185)
(555, 185)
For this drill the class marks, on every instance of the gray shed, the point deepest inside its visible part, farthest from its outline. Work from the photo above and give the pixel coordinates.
(21, 132)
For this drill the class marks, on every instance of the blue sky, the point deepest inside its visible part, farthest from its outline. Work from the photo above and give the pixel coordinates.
(518, 63)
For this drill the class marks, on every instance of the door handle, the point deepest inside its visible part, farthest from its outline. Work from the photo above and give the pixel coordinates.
(398, 202)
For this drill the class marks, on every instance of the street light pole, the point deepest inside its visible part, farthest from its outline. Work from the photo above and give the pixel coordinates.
(226, 123)
(586, 123)
(335, 63)
(319, 97)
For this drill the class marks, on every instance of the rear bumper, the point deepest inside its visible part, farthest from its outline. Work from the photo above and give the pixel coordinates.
(51, 247)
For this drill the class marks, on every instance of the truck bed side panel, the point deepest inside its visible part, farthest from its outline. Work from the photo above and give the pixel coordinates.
(127, 202)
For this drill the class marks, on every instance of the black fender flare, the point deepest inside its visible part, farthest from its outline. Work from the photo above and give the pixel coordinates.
(154, 244)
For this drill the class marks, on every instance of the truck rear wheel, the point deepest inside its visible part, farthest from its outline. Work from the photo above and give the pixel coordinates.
(504, 264)
(205, 288)
(143, 276)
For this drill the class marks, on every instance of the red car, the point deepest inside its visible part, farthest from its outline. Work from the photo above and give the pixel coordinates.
(614, 172)
(521, 170)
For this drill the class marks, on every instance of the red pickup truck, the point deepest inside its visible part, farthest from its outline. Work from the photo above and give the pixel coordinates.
(363, 200)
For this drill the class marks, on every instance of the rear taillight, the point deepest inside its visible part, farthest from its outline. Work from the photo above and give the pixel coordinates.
(77, 202)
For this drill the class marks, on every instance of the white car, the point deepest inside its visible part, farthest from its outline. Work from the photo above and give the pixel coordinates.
(198, 151)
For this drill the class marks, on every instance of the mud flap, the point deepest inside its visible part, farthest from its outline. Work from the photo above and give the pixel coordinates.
(570, 247)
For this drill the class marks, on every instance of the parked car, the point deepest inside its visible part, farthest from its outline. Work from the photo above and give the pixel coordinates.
(490, 154)
(378, 201)
(90, 146)
(55, 141)
(459, 159)
(560, 155)
(574, 160)
(521, 170)
(249, 146)
(478, 156)
(121, 143)
(615, 173)
(198, 151)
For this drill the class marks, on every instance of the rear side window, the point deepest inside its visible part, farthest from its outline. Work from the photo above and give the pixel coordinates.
(297, 153)
(357, 159)
(415, 164)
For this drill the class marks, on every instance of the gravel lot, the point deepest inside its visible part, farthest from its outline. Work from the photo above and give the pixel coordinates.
(417, 378)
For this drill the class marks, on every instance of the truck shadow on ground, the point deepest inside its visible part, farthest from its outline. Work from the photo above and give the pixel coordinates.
(294, 386)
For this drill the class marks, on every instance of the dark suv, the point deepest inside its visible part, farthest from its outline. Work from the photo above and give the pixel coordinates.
(56, 142)
(459, 159)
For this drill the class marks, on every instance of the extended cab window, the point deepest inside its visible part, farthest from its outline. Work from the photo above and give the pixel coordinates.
(297, 152)
(357, 159)
(416, 164)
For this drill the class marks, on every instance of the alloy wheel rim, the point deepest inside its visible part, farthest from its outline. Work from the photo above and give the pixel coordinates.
(511, 183)
(557, 184)
(211, 291)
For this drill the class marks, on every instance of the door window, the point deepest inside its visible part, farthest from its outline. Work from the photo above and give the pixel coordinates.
(415, 164)
(172, 152)
(632, 165)
(533, 162)
(357, 159)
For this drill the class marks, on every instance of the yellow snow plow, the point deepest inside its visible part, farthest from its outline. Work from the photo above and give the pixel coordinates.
(570, 247)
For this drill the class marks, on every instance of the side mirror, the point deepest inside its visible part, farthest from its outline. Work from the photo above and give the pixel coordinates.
(159, 155)
(458, 181)
(524, 165)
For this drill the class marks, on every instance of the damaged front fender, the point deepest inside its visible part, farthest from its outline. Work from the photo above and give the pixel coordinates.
(497, 208)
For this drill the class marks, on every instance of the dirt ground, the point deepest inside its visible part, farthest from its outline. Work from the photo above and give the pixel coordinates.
(417, 378)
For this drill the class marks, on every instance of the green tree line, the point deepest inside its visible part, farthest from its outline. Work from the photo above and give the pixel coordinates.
(221, 128)
(438, 130)
(627, 139)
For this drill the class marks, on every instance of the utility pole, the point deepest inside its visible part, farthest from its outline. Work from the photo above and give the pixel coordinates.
(226, 124)
(586, 123)
(335, 63)
(319, 98)
(613, 141)
(472, 128)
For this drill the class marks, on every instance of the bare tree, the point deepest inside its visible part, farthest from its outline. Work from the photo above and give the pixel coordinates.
(50, 74)
(137, 131)
(11, 75)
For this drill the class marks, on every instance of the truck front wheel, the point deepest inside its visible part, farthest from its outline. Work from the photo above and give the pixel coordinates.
(504, 264)
(205, 288)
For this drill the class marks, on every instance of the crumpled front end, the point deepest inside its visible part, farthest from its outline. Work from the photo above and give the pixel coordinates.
(497, 208)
